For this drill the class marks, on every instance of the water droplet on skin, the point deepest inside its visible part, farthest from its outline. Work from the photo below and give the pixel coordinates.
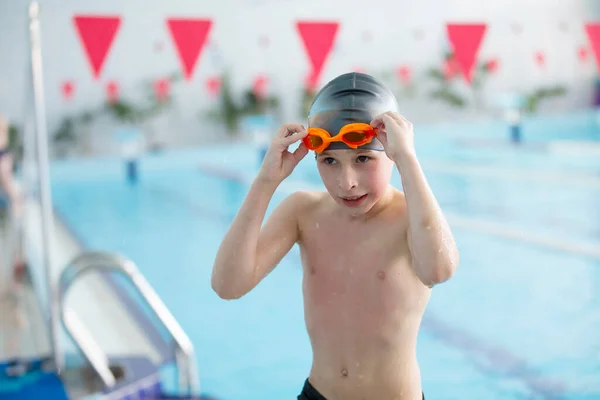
(317, 225)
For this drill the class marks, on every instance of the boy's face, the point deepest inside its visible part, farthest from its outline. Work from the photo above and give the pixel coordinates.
(356, 179)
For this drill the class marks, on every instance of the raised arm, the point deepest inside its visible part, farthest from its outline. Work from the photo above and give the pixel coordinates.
(432, 246)
(248, 253)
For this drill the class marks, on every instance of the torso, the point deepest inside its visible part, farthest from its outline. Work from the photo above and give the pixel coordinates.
(363, 303)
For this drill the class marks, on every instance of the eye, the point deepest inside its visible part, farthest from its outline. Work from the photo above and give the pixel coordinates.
(363, 159)
(329, 160)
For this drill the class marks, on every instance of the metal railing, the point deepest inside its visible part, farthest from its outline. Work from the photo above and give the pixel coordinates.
(40, 141)
(95, 261)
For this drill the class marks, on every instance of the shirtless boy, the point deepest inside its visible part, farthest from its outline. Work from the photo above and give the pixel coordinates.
(370, 253)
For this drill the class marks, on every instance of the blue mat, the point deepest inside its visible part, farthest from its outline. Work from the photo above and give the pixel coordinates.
(33, 386)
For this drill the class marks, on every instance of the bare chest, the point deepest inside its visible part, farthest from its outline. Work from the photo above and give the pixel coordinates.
(364, 271)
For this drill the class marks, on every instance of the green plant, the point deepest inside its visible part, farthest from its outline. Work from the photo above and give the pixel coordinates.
(533, 99)
(446, 78)
(128, 112)
(66, 131)
(66, 135)
(123, 110)
(230, 113)
(403, 87)
(445, 91)
(254, 104)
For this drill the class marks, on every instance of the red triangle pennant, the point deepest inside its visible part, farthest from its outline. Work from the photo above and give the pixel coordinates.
(466, 40)
(189, 36)
(318, 39)
(593, 32)
(213, 85)
(540, 58)
(404, 73)
(492, 65)
(162, 88)
(259, 87)
(112, 91)
(68, 89)
(582, 54)
(97, 34)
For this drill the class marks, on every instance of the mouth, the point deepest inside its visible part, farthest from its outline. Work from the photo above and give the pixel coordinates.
(353, 201)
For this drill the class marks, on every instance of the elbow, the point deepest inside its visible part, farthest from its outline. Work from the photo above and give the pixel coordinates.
(441, 273)
(226, 290)
(227, 295)
(442, 270)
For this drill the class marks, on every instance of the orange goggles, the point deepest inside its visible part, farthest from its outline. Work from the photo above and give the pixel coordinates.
(354, 135)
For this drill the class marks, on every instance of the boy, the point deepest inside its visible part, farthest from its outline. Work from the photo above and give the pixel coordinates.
(370, 253)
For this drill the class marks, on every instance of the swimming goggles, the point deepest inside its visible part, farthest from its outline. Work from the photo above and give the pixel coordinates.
(354, 135)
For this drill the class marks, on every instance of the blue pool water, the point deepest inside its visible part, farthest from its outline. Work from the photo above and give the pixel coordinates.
(518, 320)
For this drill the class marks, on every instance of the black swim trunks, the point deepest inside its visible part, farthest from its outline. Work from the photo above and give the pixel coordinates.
(310, 393)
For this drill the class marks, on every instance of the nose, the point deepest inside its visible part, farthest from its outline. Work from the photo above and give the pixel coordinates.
(347, 179)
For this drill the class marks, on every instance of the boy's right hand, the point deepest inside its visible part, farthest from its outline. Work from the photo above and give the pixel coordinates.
(279, 163)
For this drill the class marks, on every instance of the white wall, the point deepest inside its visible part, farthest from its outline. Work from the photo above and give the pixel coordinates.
(234, 43)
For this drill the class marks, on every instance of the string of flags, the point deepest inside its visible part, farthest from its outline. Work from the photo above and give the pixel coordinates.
(189, 37)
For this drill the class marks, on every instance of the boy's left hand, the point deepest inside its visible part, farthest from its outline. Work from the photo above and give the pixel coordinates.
(395, 133)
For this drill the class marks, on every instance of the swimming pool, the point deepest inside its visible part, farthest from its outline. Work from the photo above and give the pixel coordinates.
(519, 320)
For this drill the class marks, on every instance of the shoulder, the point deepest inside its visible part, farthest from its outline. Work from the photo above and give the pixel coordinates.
(304, 200)
(399, 195)
(395, 214)
(305, 206)
(397, 207)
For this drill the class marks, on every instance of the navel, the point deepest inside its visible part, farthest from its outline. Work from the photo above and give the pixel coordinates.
(344, 372)
(381, 275)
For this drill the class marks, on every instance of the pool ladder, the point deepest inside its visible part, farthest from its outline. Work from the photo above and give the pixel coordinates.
(102, 261)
